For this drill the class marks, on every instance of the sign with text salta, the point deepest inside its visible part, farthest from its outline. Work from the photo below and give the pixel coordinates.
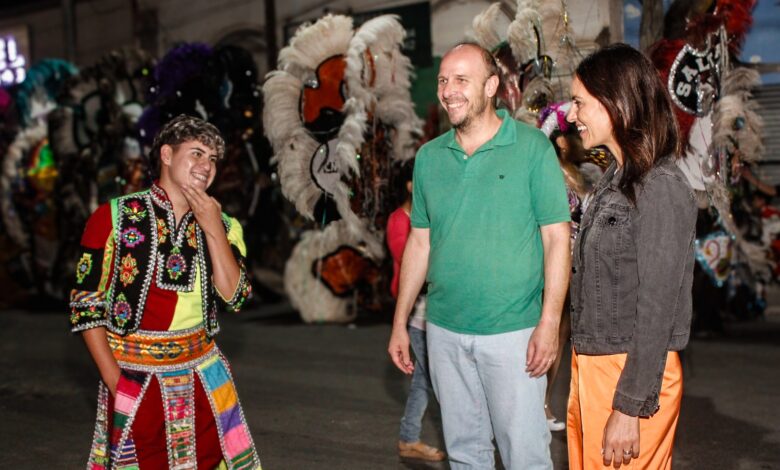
(14, 55)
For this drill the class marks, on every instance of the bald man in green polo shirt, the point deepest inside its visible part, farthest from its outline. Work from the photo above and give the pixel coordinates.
(490, 232)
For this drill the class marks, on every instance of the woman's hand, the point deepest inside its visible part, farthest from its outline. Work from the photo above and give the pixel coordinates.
(621, 439)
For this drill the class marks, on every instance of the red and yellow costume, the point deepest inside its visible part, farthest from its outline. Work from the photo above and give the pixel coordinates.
(147, 280)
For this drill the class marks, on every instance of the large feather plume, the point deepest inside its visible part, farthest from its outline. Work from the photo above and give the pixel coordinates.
(521, 32)
(313, 43)
(381, 81)
(736, 124)
(485, 26)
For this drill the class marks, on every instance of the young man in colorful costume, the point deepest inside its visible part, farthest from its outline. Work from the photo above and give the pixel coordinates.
(155, 268)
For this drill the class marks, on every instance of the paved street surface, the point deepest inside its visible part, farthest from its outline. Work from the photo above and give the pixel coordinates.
(327, 397)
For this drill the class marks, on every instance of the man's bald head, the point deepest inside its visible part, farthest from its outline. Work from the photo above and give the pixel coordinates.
(491, 68)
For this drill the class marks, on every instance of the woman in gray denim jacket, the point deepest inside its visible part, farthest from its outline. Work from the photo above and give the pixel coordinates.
(632, 269)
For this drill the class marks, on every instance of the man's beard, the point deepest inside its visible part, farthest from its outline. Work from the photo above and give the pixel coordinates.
(471, 115)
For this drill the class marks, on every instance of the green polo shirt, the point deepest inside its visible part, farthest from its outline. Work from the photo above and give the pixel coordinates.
(486, 263)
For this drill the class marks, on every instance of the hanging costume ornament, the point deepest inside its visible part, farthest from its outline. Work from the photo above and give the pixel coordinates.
(337, 112)
(304, 109)
(485, 26)
(525, 70)
(328, 84)
(714, 253)
(693, 74)
(716, 118)
(378, 80)
(378, 84)
(692, 67)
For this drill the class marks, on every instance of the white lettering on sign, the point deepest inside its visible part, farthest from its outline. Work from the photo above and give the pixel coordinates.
(689, 73)
(684, 89)
(12, 63)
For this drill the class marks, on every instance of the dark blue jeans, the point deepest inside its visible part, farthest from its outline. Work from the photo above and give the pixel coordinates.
(417, 401)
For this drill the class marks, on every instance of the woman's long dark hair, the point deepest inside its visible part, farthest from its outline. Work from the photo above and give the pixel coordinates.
(639, 106)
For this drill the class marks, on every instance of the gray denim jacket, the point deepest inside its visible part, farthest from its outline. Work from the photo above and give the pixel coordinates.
(632, 274)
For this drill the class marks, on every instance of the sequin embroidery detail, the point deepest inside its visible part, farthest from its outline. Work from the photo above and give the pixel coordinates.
(134, 211)
(83, 267)
(192, 239)
(176, 265)
(162, 231)
(122, 310)
(129, 270)
(132, 237)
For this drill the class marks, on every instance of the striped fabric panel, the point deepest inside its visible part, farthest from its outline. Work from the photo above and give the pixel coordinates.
(86, 297)
(129, 394)
(234, 434)
(127, 459)
(179, 404)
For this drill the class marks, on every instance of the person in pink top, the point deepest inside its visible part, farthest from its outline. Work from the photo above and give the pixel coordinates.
(398, 228)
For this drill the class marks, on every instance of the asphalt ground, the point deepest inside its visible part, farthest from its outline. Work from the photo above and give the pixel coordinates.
(327, 396)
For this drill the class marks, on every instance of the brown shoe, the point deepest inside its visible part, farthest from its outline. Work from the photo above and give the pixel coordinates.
(420, 450)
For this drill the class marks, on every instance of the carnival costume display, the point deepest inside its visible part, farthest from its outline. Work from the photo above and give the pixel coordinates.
(73, 139)
(720, 127)
(525, 67)
(338, 112)
(95, 145)
(219, 85)
(29, 172)
(148, 282)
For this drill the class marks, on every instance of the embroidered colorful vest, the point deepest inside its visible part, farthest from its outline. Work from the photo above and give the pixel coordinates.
(150, 247)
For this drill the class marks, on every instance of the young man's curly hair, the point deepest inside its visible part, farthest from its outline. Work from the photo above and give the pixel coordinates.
(184, 128)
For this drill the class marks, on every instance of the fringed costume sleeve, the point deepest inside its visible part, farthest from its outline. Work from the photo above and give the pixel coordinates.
(93, 273)
(235, 235)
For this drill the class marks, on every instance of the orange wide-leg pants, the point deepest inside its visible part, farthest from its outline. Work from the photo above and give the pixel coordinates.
(593, 383)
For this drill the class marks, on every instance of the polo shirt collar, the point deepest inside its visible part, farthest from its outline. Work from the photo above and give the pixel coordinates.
(506, 135)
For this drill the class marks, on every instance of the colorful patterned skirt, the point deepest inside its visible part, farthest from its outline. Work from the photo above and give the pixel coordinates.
(183, 365)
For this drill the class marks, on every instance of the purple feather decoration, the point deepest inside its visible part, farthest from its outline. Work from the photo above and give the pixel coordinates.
(180, 65)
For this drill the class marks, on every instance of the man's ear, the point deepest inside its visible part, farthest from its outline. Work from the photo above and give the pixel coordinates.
(166, 154)
(491, 86)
